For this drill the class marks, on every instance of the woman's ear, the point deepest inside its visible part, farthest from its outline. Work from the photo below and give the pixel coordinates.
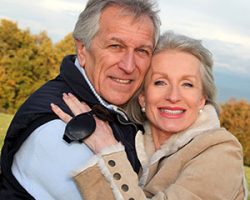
(81, 52)
(202, 102)
(141, 100)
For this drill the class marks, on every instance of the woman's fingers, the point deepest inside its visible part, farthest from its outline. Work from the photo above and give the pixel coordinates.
(74, 104)
(60, 113)
(82, 105)
(101, 138)
(71, 104)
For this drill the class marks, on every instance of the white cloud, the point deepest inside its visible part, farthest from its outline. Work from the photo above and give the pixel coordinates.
(221, 24)
(230, 56)
(62, 6)
(208, 19)
(56, 17)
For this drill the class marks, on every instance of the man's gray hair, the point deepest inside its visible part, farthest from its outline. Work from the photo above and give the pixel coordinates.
(87, 24)
(172, 41)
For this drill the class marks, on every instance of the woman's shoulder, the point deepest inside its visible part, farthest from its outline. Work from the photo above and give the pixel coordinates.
(217, 137)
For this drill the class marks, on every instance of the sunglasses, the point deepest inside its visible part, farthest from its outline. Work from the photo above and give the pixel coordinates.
(82, 126)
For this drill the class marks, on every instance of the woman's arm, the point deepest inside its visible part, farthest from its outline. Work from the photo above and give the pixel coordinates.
(110, 177)
(109, 174)
(210, 168)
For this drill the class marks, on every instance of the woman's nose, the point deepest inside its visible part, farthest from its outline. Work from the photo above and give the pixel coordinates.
(173, 94)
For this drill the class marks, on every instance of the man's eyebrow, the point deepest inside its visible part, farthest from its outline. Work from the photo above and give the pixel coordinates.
(117, 40)
(122, 42)
(147, 47)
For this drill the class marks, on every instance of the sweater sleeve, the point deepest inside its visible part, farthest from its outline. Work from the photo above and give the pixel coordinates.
(45, 162)
(110, 177)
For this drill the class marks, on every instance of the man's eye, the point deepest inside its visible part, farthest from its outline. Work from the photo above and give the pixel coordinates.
(115, 46)
(143, 51)
(160, 82)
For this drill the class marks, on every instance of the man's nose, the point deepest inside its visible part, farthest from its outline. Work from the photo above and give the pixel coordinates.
(127, 64)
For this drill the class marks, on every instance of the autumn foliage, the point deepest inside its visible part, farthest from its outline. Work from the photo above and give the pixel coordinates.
(235, 116)
(27, 61)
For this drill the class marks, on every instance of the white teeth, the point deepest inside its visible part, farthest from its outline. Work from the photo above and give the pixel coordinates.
(122, 81)
(172, 112)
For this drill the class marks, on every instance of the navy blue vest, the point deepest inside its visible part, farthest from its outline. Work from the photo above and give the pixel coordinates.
(36, 111)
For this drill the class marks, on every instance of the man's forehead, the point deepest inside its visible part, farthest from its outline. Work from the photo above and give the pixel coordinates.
(125, 29)
(116, 13)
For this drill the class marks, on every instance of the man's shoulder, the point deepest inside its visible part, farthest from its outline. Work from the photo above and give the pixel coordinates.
(45, 159)
(47, 134)
(49, 137)
(51, 126)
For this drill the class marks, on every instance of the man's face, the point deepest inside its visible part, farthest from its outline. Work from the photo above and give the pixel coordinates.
(119, 56)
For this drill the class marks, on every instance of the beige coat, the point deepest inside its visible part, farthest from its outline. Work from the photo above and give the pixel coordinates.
(204, 162)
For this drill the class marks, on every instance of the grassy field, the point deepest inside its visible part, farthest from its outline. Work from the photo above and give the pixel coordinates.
(4, 123)
(5, 120)
(247, 170)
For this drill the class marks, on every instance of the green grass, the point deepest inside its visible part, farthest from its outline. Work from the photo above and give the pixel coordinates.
(247, 170)
(5, 120)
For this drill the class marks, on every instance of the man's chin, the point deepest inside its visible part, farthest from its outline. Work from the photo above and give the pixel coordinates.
(118, 99)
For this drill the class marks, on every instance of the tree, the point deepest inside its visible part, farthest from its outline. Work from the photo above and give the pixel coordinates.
(25, 64)
(235, 116)
(15, 51)
(64, 47)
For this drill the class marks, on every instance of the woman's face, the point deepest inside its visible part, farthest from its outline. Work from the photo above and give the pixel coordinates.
(173, 92)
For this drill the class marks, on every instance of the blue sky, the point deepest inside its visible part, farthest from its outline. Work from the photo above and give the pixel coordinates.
(222, 25)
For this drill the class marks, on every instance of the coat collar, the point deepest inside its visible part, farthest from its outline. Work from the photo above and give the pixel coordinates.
(207, 120)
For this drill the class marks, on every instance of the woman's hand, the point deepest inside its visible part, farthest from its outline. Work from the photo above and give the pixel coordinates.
(102, 136)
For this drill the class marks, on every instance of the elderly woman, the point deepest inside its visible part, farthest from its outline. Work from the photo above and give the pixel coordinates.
(184, 153)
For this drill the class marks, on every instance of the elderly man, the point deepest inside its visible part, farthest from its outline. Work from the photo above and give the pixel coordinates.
(114, 42)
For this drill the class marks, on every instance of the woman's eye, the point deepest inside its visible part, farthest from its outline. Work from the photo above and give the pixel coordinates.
(188, 85)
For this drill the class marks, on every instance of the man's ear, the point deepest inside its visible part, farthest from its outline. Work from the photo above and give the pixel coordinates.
(81, 52)
(141, 100)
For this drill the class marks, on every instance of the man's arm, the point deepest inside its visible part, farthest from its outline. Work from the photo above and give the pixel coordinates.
(45, 163)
